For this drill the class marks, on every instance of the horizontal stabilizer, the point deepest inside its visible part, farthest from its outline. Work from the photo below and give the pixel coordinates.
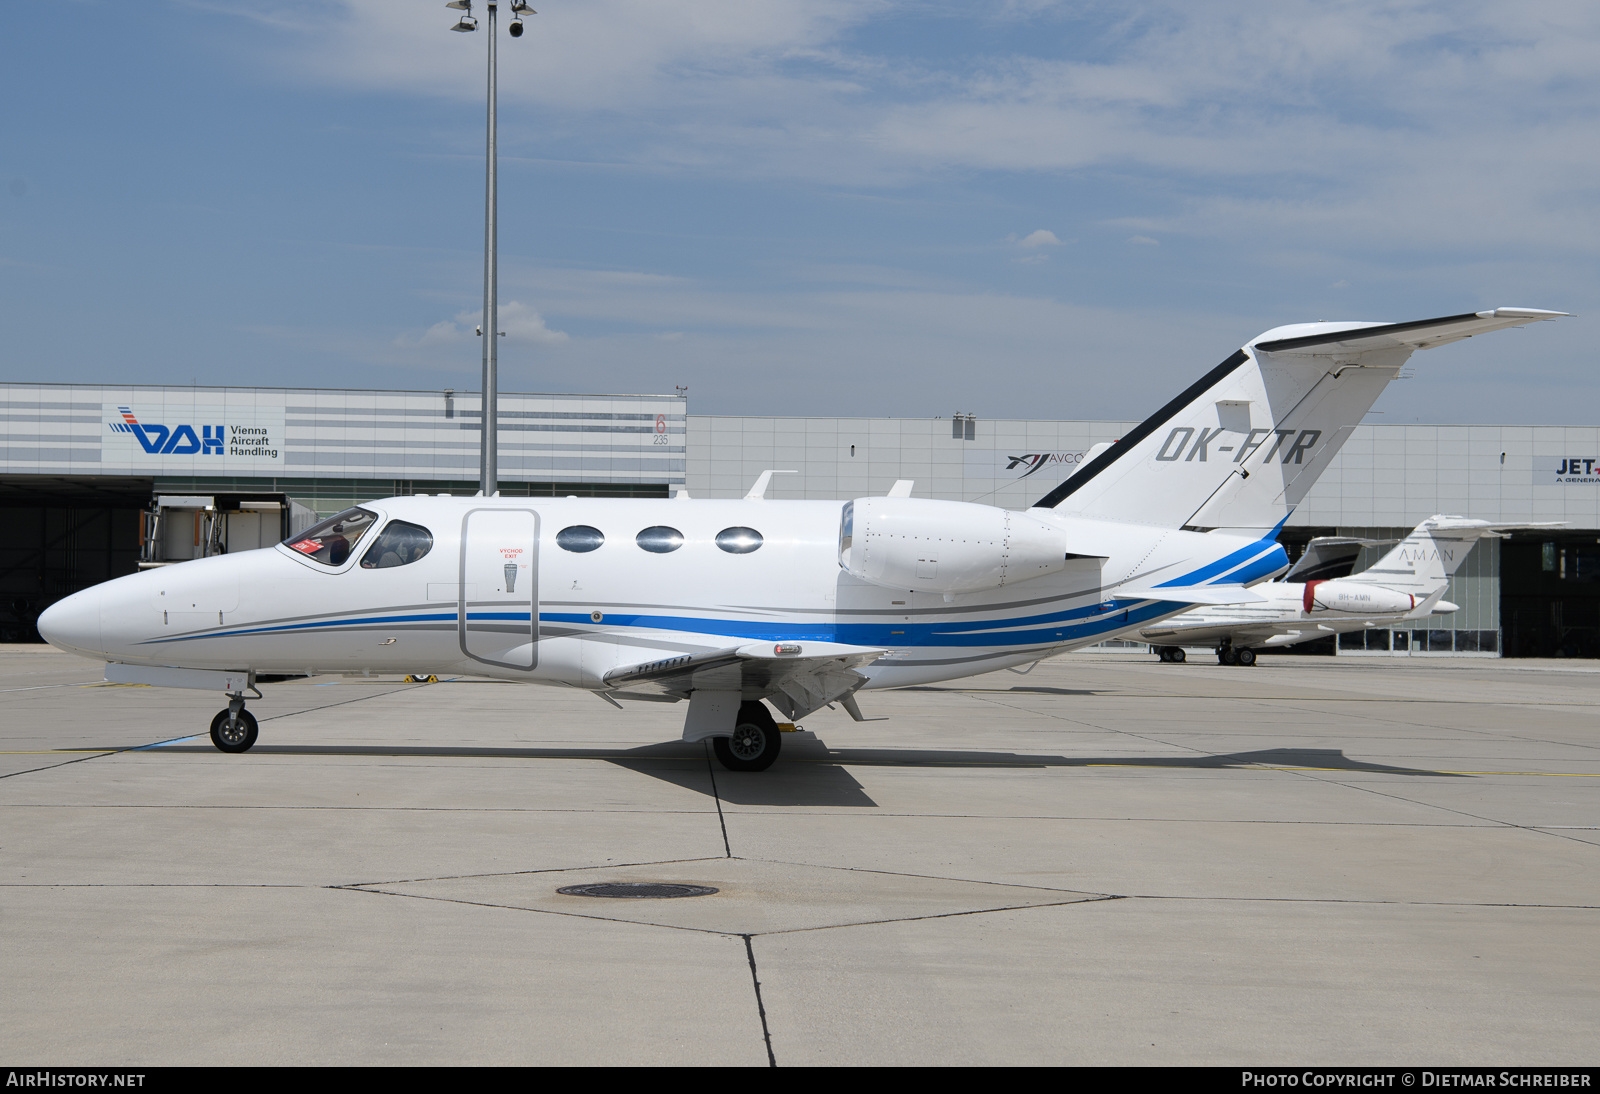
(1419, 334)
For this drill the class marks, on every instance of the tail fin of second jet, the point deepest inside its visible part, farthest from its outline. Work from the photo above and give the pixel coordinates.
(1242, 446)
(1421, 564)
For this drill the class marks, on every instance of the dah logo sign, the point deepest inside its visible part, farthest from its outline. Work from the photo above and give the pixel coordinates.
(212, 436)
(179, 441)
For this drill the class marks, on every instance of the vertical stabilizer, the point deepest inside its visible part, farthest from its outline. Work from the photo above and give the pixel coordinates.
(1243, 445)
(1422, 563)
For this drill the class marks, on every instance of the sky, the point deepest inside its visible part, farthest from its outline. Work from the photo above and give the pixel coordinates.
(910, 208)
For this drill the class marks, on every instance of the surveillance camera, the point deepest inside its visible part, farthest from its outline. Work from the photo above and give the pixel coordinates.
(516, 28)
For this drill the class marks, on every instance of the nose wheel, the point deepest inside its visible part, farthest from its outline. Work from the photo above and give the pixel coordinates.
(234, 728)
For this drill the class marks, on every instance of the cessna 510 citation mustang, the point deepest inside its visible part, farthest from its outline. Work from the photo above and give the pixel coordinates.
(1404, 585)
(798, 603)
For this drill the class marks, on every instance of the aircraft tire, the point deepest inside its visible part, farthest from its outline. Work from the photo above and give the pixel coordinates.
(237, 737)
(1245, 657)
(755, 743)
(1164, 653)
(1226, 656)
(1178, 656)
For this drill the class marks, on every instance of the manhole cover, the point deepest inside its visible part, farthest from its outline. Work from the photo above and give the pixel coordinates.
(637, 890)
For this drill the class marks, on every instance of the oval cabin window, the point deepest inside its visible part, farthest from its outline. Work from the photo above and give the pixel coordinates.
(579, 538)
(659, 539)
(738, 541)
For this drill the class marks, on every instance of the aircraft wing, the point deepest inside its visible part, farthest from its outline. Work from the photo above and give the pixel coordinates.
(1191, 594)
(798, 677)
(1419, 334)
(1207, 634)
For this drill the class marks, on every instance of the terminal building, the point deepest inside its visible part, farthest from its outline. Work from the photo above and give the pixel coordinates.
(96, 481)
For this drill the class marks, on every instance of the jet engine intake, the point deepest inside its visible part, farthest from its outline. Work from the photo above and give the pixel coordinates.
(930, 546)
(1355, 598)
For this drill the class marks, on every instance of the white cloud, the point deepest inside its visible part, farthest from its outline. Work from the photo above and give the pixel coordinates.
(519, 322)
(522, 324)
(1365, 122)
(440, 334)
(1039, 237)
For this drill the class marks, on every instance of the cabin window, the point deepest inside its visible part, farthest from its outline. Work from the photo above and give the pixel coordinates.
(847, 524)
(399, 544)
(739, 541)
(331, 542)
(659, 539)
(579, 538)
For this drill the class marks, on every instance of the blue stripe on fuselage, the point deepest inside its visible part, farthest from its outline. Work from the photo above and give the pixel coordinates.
(1238, 561)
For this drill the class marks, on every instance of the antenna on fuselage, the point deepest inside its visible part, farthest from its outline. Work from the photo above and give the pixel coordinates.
(758, 492)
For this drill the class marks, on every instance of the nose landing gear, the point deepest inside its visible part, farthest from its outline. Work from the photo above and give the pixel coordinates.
(234, 729)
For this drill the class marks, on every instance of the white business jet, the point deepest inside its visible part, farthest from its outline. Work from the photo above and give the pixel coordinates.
(797, 603)
(1405, 585)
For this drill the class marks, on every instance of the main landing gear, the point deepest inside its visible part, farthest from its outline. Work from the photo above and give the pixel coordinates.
(1173, 654)
(234, 729)
(755, 743)
(1227, 655)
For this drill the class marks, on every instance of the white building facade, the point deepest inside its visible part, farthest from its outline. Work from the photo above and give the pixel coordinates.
(84, 469)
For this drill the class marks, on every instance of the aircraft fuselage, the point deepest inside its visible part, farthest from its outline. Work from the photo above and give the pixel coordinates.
(497, 594)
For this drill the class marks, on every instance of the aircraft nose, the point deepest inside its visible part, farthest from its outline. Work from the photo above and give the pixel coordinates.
(73, 623)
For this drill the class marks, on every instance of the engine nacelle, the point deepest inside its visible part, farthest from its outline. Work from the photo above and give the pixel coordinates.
(1355, 598)
(946, 546)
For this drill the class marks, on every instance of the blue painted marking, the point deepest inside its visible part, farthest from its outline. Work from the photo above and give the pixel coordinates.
(163, 744)
(1256, 560)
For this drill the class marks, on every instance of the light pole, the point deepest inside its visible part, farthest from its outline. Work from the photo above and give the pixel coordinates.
(489, 331)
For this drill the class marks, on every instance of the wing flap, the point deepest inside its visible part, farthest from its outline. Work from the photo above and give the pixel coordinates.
(798, 677)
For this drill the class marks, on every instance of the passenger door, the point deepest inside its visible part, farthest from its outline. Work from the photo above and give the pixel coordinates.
(497, 607)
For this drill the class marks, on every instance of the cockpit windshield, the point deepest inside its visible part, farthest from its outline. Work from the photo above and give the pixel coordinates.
(399, 544)
(331, 542)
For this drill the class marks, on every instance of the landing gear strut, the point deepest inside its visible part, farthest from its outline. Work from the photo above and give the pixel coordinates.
(1227, 655)
(755, 743)
(234, 729)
